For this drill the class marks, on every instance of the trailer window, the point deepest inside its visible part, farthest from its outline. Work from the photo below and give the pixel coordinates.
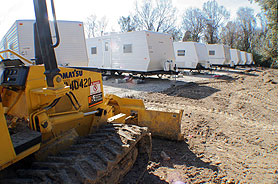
(106, 46)
(93, 50)
(181, 52)
(212, 52)
(127, 48)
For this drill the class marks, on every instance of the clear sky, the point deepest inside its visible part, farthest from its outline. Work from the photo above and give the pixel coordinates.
(12, 10)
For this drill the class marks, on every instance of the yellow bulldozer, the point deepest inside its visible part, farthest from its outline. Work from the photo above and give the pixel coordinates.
(60, 118)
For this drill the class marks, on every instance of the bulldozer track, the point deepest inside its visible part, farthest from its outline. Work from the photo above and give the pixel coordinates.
(105, 156)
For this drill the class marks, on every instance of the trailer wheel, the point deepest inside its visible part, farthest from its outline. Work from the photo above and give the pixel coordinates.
(142, 76)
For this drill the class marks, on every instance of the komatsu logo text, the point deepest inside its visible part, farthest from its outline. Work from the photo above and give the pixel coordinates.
(74, 73)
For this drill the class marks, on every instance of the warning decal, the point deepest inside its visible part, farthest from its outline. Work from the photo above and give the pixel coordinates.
(95, 94)
(95, 87)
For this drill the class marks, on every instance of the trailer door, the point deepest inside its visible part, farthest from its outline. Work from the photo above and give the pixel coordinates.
(106, 53)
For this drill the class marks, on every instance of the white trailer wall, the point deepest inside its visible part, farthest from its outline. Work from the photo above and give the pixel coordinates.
(71, 51)
(141, 51)
(160, 49)
(202, 55)
(249, 57)
(94, 50)
(10, 41)
(129, 52)
(219, 54)
(243, 57)
(190, 54)
(26, 38)
(235, 56)
(111, 51)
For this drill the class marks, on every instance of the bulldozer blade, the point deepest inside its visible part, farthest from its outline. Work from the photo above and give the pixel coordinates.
(161, 124)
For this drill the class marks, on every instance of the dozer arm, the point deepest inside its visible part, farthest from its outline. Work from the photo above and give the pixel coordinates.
(132, 111)
(44, 41)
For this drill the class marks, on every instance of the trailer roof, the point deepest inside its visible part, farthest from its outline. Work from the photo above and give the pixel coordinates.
(23, 20)
(131, 32)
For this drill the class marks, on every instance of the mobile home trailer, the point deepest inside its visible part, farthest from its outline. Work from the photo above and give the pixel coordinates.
(235, 57)
(71, 51)
(219, 54)
(191, 55)
(249, 59)
(133, 52)
(243, 57)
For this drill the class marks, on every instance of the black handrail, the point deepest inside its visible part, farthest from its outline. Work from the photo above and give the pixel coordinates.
(55, 26)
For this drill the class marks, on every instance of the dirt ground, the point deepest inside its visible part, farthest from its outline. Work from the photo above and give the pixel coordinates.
(230, 124)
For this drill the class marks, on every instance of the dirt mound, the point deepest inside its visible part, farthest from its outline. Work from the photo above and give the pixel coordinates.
(231, 131)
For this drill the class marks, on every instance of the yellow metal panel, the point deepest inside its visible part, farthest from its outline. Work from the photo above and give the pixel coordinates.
(80, 82)
(7, 150)
(35, 96)
(21, 156)
(162, 124)
(30, 101)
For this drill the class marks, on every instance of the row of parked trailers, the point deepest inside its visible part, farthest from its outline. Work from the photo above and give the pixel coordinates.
(135, 52)
(145, 51)
(193, 55)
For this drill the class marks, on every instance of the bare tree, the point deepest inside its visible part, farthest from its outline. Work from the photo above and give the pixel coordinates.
(102, 25)
(263, 21)
(156, 16)
(95, 27)
(145, 15)
(187, 36)
(91, 26)
(176, 33)
(215, 17)
(127, 24)
(165, 16)
(193, 23)
(229, 34)
(247, 23)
